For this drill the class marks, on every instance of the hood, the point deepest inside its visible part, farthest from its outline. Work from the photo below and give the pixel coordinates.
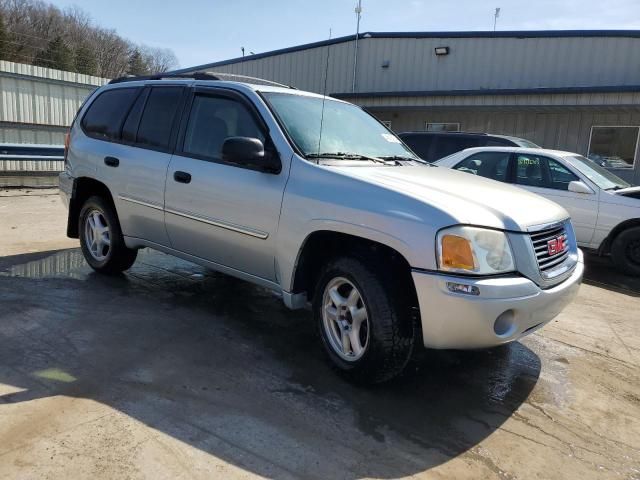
(633, 192)
(468, 199)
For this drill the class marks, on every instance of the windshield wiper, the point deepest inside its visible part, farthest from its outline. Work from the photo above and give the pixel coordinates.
(349, 156)
(617, 187)
(404, 158)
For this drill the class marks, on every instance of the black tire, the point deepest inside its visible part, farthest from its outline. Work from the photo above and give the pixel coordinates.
(390, 324)
(117, 257)
(625, 251)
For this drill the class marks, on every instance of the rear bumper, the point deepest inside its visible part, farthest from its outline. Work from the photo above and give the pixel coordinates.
(66, 188)
(505, 310)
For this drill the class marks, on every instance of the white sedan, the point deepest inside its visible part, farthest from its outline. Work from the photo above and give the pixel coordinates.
(605, 210)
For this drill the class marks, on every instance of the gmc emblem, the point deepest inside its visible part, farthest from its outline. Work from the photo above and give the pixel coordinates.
(555, 246)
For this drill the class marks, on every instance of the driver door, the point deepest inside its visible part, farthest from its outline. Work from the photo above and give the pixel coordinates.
(218, 211)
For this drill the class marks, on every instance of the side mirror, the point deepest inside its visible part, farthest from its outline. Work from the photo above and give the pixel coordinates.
(579, 187)
(250, 152)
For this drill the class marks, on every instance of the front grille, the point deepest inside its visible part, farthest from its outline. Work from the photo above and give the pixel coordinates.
(540, 242)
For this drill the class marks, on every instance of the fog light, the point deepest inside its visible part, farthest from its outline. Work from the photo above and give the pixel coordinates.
(505, 325)
(462, 288)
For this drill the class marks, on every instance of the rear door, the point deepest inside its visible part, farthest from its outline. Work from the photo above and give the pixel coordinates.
(139, 164)
(550, 178)
(215, 210)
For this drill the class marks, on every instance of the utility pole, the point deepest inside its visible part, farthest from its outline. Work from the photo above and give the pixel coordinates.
(495, 18)
(355, 53)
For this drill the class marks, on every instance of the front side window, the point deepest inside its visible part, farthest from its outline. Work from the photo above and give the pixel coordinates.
(614, 147)
(492, 165)
(157, 122)
(212, 121)
(340, 128)
(106, 113)
(542, 172)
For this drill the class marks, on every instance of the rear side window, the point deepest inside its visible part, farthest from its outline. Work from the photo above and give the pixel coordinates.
(212, 121)
(420, 144)
(492, 165)
(448, 144)
(158, 118)
(106, 113)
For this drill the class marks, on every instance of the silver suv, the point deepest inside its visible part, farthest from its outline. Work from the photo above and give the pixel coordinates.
(315, 199)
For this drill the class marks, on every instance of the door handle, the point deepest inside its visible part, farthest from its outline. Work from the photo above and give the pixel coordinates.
(111, 161)
(182, 177)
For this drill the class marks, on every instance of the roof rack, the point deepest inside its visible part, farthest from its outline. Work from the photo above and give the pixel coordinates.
(247, 79)
(163, 76)
(202, 76)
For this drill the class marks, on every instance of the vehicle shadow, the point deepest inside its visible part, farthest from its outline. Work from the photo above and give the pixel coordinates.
(223, 367)
(600, 272)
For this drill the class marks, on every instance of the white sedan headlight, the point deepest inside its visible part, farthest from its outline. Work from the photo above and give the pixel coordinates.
(474, 250)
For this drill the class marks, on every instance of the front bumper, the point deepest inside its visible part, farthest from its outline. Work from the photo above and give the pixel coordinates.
(506, 309)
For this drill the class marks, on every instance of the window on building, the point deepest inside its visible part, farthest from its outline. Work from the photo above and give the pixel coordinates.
(106, 113)
(442, 127)
(614, 146)
(212, 121)
(158, 118)
(487, 164)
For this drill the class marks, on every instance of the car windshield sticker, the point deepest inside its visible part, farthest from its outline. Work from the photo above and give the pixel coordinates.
(390, 138)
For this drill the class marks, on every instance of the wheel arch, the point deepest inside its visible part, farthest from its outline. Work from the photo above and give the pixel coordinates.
(83, 188)
(605, 246)
(321, 245)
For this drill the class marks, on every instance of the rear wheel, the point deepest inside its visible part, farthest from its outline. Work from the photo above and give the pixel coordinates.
(625, 251)
(363, 321)
(101, 239)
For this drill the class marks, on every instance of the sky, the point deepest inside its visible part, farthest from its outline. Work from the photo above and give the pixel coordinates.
(204, 31)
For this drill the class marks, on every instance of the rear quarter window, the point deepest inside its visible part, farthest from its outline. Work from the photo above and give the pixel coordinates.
(420, 144)
(106, 114)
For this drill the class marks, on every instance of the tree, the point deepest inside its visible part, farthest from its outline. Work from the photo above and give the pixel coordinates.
(159, 60)
(4, 40)
(57, 55)
(137, 64)
(85, 60)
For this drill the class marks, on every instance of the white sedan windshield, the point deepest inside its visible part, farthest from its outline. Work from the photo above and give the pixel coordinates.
(602, 177)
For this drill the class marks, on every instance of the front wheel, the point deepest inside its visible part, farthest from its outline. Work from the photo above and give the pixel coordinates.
(625, 251)
(101, 240)
(363, 320)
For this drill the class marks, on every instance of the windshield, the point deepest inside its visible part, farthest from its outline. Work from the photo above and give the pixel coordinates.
(602, 177)
(524, 143)
(346, 129)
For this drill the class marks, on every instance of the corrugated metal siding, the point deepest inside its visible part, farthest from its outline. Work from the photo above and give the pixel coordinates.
(473, 63)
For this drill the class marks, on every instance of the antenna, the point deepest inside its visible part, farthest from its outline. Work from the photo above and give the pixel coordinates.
(324, 96)
(495, 18)
(358, 11)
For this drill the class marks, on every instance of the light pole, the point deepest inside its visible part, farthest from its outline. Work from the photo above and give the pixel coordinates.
(355, 53)
(495, 18)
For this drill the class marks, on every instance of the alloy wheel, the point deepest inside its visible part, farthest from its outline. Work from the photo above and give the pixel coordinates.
(345, 319)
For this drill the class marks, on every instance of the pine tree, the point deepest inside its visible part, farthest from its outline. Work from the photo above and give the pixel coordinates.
(56, 55)
(85, 60)
(137, 65)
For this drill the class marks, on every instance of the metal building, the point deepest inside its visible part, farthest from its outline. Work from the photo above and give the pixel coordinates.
(37, 104)
(569, 90)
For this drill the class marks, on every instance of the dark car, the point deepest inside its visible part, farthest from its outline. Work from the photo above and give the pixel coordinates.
(432, 146)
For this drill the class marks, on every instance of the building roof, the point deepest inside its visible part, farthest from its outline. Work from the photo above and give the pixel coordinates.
(443, 35)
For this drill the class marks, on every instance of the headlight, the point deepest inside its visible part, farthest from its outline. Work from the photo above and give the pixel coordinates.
(474, 250)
